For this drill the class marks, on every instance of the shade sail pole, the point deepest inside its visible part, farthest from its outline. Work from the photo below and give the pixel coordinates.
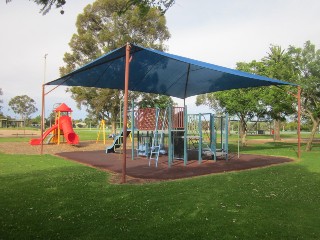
(299, 121)
(42, 117)
(125, 113)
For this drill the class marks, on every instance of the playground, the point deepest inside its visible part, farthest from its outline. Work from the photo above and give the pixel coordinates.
(152, 71)
(166, 144)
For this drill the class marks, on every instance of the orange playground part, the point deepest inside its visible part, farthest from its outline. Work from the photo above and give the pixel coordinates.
(62, 127)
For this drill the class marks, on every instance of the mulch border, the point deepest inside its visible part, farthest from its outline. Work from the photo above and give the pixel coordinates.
(138, 170)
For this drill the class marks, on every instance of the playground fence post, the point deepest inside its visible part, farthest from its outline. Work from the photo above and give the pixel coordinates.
(200, 139)
(226, 135)
(169, 136)
(132, 130)
(185, 155)
(125, 112)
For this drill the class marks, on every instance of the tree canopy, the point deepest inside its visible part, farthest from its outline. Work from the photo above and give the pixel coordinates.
(23, 105)
(146, 5)
(46, 5)
(278, 104)
(307, 63)
(99, 30)
(143, 5)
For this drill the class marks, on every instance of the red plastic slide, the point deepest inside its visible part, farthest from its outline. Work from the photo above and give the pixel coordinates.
(37, 141)
(69, 134)
(65, 126)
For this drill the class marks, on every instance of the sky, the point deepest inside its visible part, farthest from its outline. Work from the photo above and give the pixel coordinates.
(218, 32)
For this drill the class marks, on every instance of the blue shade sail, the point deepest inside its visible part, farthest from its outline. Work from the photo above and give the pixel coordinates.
(153, 71)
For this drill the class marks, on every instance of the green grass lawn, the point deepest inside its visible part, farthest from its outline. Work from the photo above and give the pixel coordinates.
(15, 139)
(45, 197)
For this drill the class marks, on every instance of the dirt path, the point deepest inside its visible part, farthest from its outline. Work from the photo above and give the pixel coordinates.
(26, 148)
(19, 132)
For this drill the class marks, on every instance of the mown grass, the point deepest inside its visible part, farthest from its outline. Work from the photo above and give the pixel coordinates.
(45, 197)
(14, 139)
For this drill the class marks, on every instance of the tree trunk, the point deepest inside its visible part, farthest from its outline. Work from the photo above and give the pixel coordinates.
(243, 132)
(277, 127)
(114, 126)
(315, 126)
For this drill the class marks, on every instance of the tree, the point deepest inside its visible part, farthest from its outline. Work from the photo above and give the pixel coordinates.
(99, 30)
(307, 61)
(150, 100)
(143, 5)
(277, 102)
(47, 4)
(146, 5)
(23, 105)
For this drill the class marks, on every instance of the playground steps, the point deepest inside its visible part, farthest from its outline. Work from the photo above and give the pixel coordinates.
(154, 150)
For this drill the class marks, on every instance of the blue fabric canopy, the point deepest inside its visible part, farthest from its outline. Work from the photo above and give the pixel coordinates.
(153, 71)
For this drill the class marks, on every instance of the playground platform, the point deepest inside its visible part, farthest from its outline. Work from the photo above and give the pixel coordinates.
(139, 168)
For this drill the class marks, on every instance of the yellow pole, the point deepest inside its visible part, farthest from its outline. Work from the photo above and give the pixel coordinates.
(102, 128)
(98, 137)
(104, 131)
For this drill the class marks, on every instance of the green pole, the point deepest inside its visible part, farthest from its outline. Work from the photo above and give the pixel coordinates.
(226, 134)
(221, 132)
(169, 136)
(238, 138)
(214, 139)
(185, 155)
(155, 135)
(200, 140)
(132, 130)
(120, 119)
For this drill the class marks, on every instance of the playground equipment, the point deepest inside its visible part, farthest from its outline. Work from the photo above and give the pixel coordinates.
(61, 128)
(154, 120)
(117, 142)
(180, 135)
(102, 130)
(197, 134)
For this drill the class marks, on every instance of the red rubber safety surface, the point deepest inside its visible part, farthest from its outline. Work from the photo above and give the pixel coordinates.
(139, 167)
